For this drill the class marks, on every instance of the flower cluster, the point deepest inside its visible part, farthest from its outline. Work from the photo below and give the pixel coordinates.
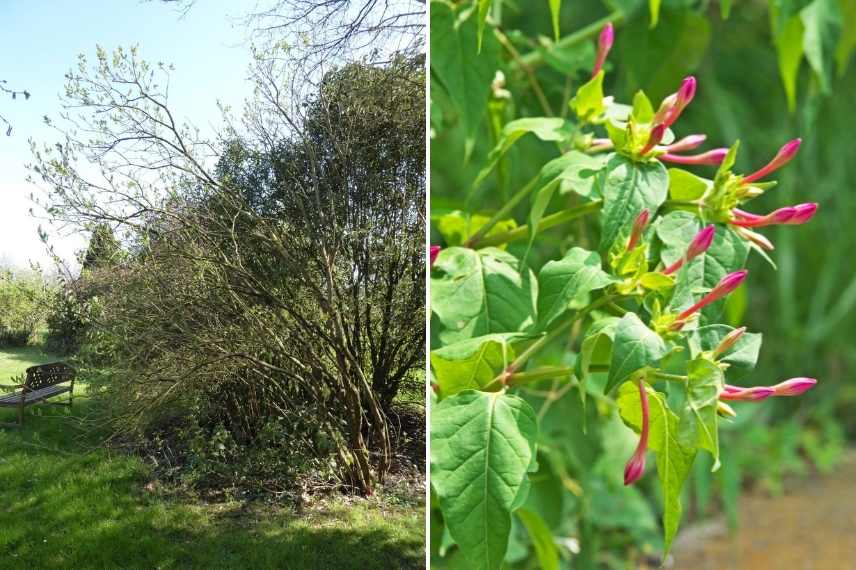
(720, 202)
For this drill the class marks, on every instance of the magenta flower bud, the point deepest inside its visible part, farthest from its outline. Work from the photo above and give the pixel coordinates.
(754, 394)
(727, 342)
(794, 386)
(712, 157)
(604, 44)
(725, 286)
(802, 213)
(654, 138)
(687, 143)
(784, 156)
(673, 105)
(701, 242)
(434, 251)
(747, 220)
(636, 465)
(638, 228)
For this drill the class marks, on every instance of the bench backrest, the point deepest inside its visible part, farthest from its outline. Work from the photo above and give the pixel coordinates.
(45, 375)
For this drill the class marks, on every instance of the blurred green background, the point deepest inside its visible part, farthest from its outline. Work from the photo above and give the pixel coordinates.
(805, 308)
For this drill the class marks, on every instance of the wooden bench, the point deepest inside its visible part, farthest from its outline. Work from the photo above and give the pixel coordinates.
(42, 382)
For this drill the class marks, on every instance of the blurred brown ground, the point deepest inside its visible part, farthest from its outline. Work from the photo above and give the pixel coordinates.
(811, 527)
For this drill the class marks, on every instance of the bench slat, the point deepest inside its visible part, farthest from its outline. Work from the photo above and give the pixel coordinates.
(14, 399)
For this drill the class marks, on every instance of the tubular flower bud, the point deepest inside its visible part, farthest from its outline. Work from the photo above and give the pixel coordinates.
(712, 157)
(638, 228)
(784, 156)
(728, 341)
(802, 213)
(755, 238)
(754, 394)
(725, 410)
(654, 138)
(748, 220)
(701, 242)
(434, 251)
(673, 105)
(793, 387)
(689, 142)
(604, 44)
(636, 465)
(725, 286)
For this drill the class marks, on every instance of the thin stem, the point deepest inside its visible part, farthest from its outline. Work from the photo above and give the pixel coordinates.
(502, 213)
(540, 374)
(546, 222)
(536, 346)
(535, 58)
(530, 74)
(674, 377)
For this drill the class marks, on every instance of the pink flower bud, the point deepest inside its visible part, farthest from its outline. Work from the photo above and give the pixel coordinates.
(754, 394)
(636, 465)
(434, 251)
(728, 341)
(604, 44)
(802, 213)
(673, 105)
(784, 156)
(747, 220)
(654, 138)
(725, 286)
(794, 386)
(712, 157)
(755, 238)
(687, 143)
(701, 242)
(638, 228)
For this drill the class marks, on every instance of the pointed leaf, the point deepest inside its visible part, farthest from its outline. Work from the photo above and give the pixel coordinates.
(472, 364)
(482, 447)
(567, 282)
(741, 358)
(542, 539)
(635, 348)
(704, 384)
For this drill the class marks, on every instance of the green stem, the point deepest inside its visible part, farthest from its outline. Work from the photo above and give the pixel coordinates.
(540, 374)
(674, 377)
(536, 346)
(535, 58)
(545, 223)
(502, 213)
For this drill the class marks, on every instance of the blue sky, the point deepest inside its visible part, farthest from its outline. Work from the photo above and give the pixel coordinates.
(40, 41)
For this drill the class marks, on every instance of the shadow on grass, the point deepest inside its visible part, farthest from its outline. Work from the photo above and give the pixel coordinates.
(62, 506)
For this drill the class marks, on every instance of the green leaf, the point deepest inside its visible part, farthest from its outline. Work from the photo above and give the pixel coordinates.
(847, 43)
(542, 539)
(629, 187)
(635, 348)
(473, 363)
(704, 384)
(822, 22)
(741, 358)
(654, 10)
(725, 9)
(588, 102)
(464, 75)
(456, 227)
(475, 293)
(484, 8)
(555, 11)
(580, 173)
(685, 185)
(566, 283)
(789, 44)
(643, 111)
(551, 129)
(674, 460)
(482, 447)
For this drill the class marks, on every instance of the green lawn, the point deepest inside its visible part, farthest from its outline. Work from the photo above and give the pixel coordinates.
(63, 505)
